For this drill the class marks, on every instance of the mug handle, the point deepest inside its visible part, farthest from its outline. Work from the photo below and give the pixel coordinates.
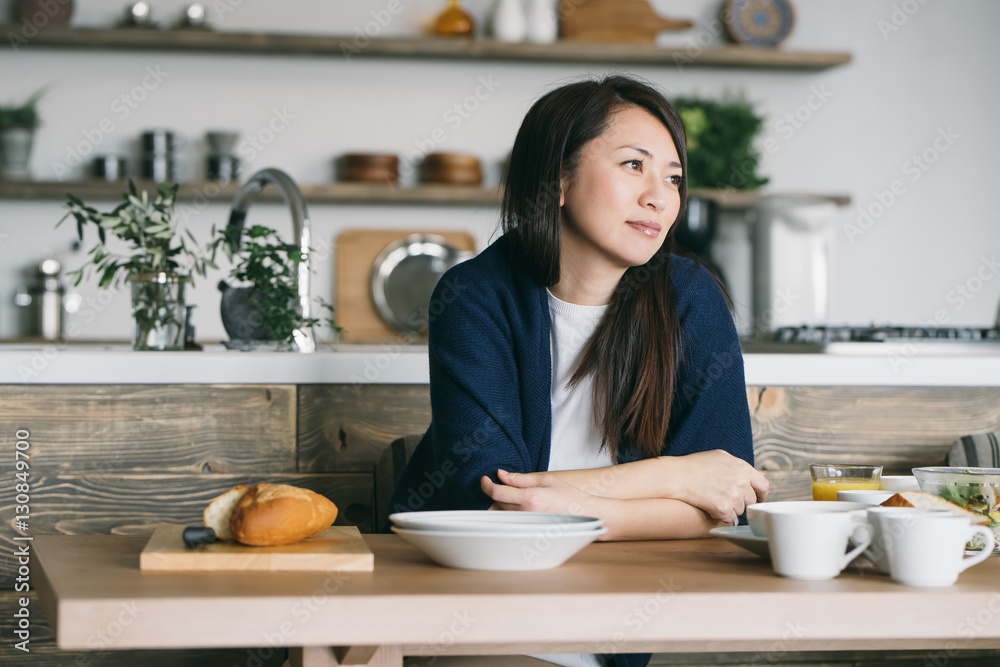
(863, 544)
(987, 533)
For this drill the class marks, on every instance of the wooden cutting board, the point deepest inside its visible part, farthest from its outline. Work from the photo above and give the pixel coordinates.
(337, 549)
(614, 21)
(355, 255)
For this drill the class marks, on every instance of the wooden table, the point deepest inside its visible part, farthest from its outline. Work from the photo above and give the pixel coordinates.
(697, 595)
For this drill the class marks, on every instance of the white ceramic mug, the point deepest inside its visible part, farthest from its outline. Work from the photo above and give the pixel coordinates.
(756, 512)
(877, 552)
(811, 545)
(928, 549)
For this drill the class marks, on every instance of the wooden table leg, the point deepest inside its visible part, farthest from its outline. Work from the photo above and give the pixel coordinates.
(324, 656)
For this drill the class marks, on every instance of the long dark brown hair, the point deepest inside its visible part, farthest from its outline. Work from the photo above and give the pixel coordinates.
(634, 353)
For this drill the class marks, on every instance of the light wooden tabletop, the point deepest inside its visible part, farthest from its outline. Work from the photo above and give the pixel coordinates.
(695, 595)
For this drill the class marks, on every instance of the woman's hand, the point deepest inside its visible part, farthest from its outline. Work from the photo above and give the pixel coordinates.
(539, 492)
(717, 482)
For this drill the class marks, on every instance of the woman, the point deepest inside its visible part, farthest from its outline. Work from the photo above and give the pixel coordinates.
(577, 365)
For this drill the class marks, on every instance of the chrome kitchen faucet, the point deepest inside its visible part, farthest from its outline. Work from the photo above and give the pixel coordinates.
(304, 339)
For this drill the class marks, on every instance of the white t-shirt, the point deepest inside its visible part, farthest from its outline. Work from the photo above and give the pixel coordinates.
(576, 444)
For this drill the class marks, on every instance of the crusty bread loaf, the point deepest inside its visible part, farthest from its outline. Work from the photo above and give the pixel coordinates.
(220, 511)
(930, 501)
(269, 514)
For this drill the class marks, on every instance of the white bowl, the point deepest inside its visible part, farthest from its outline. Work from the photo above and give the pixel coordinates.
(540, 549)
(866, 496)
(897, 483)
(493, 521)
(755, 512)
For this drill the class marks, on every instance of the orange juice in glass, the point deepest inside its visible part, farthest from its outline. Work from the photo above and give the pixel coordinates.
(828, 479)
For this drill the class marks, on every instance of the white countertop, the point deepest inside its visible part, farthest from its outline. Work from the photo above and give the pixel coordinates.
(394, 364)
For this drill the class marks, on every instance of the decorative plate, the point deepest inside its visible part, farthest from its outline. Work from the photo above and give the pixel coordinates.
(404, 276)
(759, 23)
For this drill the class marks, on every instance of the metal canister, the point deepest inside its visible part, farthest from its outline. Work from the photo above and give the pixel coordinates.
(42, 302)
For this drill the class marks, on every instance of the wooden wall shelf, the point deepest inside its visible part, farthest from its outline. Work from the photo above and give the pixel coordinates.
(344, 46)
(343, 193)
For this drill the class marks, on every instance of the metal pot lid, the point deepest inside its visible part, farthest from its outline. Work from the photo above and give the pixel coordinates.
(404, 275)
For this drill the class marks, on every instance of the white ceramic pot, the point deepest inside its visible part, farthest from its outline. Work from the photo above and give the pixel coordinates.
(509, 21)
(15, 152)
(543, 24)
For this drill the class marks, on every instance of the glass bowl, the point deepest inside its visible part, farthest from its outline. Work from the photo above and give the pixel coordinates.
(975, 489)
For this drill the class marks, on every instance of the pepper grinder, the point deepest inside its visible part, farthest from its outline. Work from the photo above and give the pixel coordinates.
(189, 343)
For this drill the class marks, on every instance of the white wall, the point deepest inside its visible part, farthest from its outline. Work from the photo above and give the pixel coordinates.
(936, 72)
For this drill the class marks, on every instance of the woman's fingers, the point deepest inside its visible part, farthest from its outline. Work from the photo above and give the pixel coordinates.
(760, 486)
(500, 493)
(520, 480)
(506, 507)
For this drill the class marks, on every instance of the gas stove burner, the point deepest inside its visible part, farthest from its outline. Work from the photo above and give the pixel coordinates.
(824, 335)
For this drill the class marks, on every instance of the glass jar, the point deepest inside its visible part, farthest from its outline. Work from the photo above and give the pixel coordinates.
(157, 311)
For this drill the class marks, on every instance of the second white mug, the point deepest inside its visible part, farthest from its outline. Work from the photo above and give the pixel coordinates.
(811, 545)
(928, 549)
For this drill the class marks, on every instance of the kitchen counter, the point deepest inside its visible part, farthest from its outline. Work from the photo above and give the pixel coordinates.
(395, 364)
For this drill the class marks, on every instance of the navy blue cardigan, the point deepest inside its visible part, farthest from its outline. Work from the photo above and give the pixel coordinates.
(491, 371)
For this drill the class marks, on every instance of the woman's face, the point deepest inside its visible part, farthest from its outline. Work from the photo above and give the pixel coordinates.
(623, 196)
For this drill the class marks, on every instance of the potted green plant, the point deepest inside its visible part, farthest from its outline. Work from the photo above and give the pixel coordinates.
(17, 132)
(161, 261)
(720, 143)
(263, 312)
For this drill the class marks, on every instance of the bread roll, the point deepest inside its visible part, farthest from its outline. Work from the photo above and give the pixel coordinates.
(932, 502)
(269, 514)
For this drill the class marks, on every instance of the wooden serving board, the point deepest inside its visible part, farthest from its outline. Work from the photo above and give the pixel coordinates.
(355, 255)
(337, 549)
(614, 21)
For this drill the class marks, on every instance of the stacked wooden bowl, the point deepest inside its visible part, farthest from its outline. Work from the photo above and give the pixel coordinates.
(451, 169)
(368, 168)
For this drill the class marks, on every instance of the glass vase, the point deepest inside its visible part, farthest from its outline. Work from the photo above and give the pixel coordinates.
(157, 311)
